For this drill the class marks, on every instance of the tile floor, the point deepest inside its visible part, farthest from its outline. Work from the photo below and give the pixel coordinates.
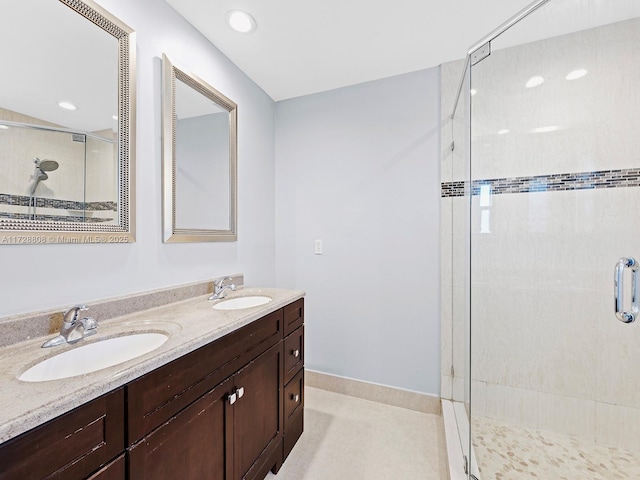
(354, 439)
(510, 452)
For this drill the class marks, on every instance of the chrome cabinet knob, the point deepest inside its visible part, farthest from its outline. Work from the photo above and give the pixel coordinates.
(232, 398)
(295, 397)
(240, 392)
(295, 353)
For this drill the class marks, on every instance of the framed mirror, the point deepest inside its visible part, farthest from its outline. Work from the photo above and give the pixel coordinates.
(67, 124)
(199, 128)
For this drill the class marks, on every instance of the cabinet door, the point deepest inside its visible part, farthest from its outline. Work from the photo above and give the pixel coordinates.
(71, 446)
(114, 470)
(191, 445)
(257, 416)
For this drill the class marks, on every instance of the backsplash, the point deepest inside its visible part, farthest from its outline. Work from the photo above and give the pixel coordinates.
(23, 327)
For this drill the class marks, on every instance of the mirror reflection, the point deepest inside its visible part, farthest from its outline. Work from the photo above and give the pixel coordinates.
(199, 159)
(202, 172)
(64, 123)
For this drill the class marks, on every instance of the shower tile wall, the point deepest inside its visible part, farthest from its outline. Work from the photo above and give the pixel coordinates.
(19, 163)
(548, 352)
(68, 181)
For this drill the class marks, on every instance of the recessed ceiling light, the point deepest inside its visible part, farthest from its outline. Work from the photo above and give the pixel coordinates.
(115, 117)
(534, 82)
(576, 74)
(503, 131)
(473, 91)
(4, 127)
(67, 105)
(241, 21)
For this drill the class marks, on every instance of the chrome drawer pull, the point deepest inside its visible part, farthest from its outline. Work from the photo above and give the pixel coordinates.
(232, 398)
(295, 353)
(240, 392)
(295, 397)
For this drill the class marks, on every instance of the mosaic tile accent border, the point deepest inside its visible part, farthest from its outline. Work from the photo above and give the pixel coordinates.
(24, 200)
(54, 218)
(629, 177)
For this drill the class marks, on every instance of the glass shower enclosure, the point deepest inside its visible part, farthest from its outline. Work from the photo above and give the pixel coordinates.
(545, 212)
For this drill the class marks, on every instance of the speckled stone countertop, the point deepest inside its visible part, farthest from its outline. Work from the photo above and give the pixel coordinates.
(189, 324)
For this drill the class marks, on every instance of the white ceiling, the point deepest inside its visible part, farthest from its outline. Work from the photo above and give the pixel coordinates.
(302, 46)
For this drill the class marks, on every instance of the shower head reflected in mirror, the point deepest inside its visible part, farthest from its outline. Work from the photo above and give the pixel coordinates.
(46, 165)
(39, 175)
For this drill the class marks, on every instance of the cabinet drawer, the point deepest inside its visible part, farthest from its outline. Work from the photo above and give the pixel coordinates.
(293, 354)
(293, 316)
(156, 397)
(294, 413)
(293, 397)
(71, 446)
(295, 427)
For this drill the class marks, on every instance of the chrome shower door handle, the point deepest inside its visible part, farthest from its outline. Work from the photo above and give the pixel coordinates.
(618, 284)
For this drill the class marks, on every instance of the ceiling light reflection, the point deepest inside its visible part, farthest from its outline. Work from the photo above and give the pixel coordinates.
(550, 128)
(534, 82)
(576, 74)
(67, 105)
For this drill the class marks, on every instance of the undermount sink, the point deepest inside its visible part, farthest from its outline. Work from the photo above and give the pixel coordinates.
(94, 356)
(239, 303)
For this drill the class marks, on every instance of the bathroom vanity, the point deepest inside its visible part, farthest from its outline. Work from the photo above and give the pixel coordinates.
(230, 409)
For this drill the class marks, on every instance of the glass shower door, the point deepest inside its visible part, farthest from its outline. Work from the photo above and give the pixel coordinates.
(555, 170)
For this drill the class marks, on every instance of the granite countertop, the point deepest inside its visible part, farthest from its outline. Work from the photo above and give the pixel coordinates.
(190, 324)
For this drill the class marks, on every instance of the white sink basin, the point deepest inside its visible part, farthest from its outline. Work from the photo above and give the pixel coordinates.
(242, 302)
(94, 356)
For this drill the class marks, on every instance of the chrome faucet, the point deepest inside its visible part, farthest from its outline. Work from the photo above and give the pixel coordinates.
(73, 328)
(220, 289)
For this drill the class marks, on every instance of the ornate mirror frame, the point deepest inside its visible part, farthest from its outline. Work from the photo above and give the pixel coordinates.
(18, 231)
(171, 232)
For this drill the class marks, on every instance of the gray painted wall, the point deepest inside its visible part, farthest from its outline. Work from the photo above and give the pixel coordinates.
(37, 277)
(358, 167)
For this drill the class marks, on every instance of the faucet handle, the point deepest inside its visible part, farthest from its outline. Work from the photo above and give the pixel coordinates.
(72, 314)
(89, 323)
(89, 326)
(218, 283)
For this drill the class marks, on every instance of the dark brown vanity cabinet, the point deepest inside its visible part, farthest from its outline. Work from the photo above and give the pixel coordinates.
(293, 398)
(215, 413)
(229, 410)
(232, 432)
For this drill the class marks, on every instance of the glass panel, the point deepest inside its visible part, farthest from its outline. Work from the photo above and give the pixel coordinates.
(555, 171)
(455, 263)
(101, 194)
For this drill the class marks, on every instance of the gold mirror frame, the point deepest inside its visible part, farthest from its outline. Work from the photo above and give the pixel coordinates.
(14, 231)
(171, 233)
